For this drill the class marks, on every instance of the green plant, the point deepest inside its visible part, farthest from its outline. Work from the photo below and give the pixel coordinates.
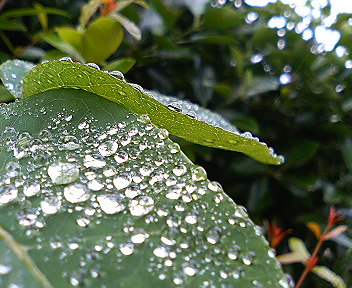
(122, 191)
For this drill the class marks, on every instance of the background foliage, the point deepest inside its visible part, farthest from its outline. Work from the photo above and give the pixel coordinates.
(288, 91)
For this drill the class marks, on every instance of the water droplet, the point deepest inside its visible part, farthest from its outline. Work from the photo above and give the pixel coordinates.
(76, 193)
(192, 114)
(94, 161)
(8, 193)
(234, 252)
(63, 173)
(127, 249)
(122, 181)
(31, 190)
(175, 106)
(50, 205)
(141, 205)
(136, 86)
(160, 252)
(12, 169)
(67, 59)
(198, 173)
(213, 235)
(139, 236)
(117, 74)
(92, 65)
(111, 203)
(179, 170)
(174, 148)
(108, 148)
(248, 259)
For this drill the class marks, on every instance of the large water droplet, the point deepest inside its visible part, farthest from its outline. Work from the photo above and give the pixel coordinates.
(63, 173)
(213, 236)
(111, 203)
(141, 205)
(76, 193)
(122, 181)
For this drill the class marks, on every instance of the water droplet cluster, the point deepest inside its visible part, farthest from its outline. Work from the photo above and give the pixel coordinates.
(87, 195)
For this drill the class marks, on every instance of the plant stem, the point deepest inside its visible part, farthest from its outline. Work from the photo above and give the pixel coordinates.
(23, 256)
(308, 268)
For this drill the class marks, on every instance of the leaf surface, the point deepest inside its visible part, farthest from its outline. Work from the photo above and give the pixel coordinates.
(99, 197)
(62, 74)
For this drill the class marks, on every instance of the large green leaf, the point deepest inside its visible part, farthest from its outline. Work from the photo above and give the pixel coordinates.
(63, 74)
(92, 195)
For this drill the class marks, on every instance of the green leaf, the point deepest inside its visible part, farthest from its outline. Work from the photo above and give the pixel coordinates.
(63, 46)
(346, 149)
(63, 74)
(96, 196)
(12, 73)
(122, 64)
(34, 11)
(11, 25)
(5, 95)
(88, 11)
(130, 26)
(101, 40)
(71, 36)
(302, 152)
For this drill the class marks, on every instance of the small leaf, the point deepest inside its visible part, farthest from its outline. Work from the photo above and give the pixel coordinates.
(88, 11)
(328, 275)
(290, 258)
(12, 73)
(297, 246)
(71, 36)
(335, 232)
(101, 40)
(34, 11)
(63, 46)
(42, 16)
(315, 228)
(64, 74)
(129, 26)
(11, 25)
(122, 64)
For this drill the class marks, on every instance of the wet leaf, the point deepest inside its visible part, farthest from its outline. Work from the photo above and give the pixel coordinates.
(12, 73)
(64, 74)
(98, 196)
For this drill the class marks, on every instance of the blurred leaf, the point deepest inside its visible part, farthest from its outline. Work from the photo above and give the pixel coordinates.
(169, 16)
(302, 152)
(53, 55)
(63, 46)
(129, 26)
(346, 149)
(71, 36)
(101, 39)
(265, 39)
(238, 60)
(297, 245)
(326, 274)
(290, 258)
(42, 16)
(5, 95)
(11, 25)
(315, 228)
(344, 240)
(32, 53)
(335, 232)
(12, 73)
(246, 123)
(261, 85)
(122, 64)
(222, 19)
(88, 11)
(34, 11)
